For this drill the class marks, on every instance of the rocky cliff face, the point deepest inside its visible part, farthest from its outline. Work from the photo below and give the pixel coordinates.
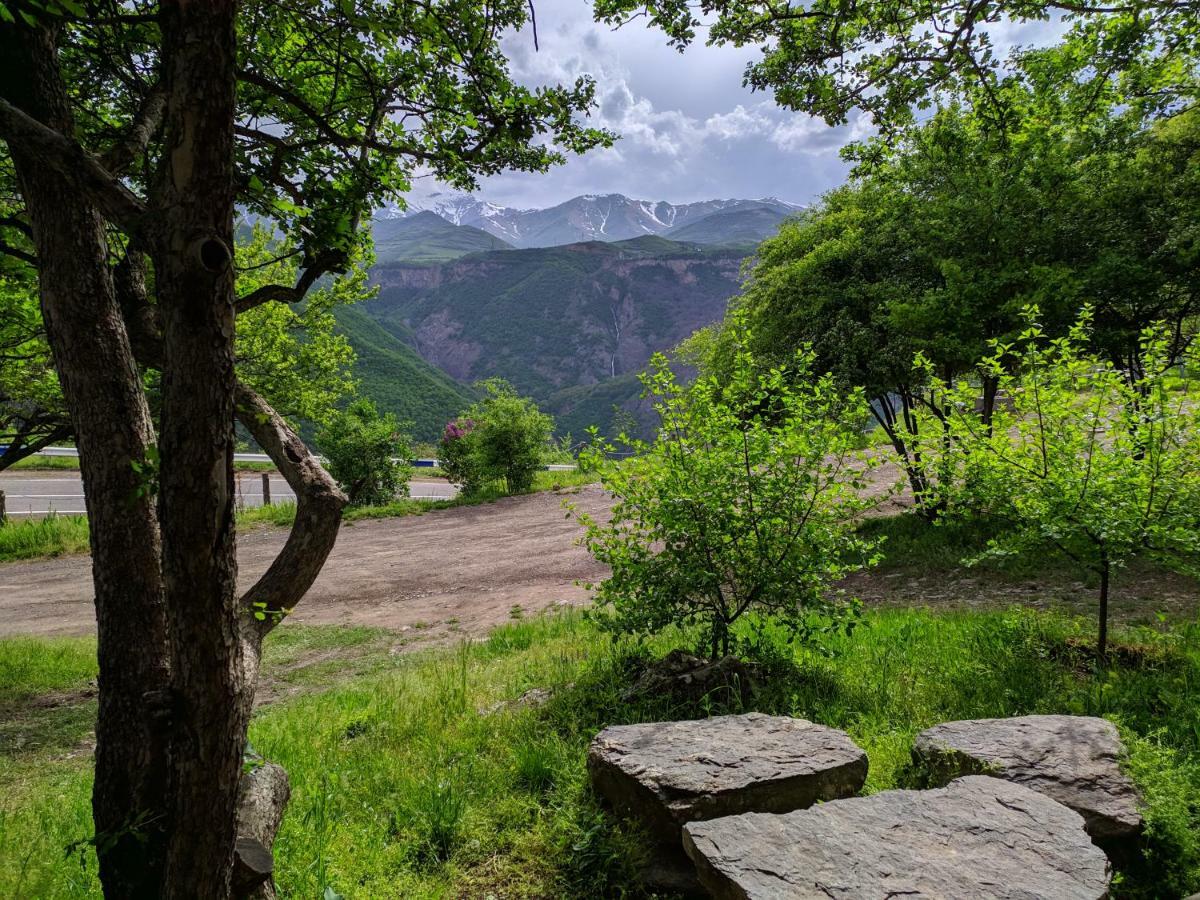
(558, 319)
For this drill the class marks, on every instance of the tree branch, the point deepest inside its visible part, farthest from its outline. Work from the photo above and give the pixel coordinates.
(319, 503)
(326, 262)
(75, 166)
(136, 138)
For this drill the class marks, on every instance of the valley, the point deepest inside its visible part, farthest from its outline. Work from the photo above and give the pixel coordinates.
(568, 303)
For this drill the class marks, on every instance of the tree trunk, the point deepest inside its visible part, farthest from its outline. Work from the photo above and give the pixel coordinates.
(1102, 641)
(113, 429)
(194, 281)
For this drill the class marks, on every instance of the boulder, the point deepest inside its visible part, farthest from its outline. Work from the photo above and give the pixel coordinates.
(685, 678)
(1073, 759)
(979, 837)
(669, 773)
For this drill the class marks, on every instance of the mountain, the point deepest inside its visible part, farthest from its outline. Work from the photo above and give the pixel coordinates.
(605, 217)
(427, 237)
(570, 325)
(745, 225)
(395, 376)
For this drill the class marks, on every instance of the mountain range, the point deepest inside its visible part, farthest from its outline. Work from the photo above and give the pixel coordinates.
(597, 217)
(567, 303)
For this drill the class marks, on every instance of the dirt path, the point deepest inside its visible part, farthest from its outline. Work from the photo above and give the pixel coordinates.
(448, 570)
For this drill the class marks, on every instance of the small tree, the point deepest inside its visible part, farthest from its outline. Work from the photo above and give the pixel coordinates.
(367, 453)
(509, 437)
(743, 502)
(458, 455)
(1083, 459)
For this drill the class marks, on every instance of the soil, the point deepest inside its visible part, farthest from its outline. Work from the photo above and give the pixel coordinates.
(459, 570)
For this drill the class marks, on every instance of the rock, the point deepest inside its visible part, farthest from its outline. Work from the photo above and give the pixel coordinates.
(685, 678)
(1073, 759)
(979, 838)
(669, 773)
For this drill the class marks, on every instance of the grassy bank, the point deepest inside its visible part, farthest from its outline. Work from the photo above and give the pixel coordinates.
(421, 777)
(58, 535)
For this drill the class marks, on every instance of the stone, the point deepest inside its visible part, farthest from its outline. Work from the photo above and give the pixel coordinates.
(669, 773)
(685, 678)
(1073, 759)
(979, 837)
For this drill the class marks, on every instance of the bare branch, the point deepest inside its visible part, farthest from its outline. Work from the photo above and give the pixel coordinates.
(326, 262)
(136, 138)
(319, 503)
(74, 165)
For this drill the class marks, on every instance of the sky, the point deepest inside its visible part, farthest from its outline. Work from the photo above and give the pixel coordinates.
(688, 128)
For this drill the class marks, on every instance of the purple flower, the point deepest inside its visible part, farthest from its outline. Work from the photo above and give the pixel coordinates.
(457, 428)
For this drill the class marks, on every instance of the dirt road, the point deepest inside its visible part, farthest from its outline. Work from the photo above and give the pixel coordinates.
(448, 570)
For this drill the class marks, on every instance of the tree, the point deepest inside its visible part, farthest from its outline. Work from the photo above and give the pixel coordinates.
(1083, 462)
(743, 503)
(829, 58)
(508, 436)
(367, 453)
(132, 131)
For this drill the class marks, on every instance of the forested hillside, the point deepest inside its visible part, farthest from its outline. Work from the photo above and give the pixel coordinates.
(392, 374)
(570, 326)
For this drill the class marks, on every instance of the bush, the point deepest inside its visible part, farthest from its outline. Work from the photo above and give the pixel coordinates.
(458, 455)
(743, 503)
(503, 435)
(367, 453)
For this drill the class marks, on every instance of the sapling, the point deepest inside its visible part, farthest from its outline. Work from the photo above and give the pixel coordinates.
(744, 502)
(1084, 458)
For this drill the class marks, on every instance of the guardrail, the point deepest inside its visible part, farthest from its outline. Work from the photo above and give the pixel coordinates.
(263, 458)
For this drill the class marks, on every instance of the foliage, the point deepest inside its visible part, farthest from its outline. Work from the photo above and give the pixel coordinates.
(829, 58)
(527, 824)
(1079, 459)
(502, 436)
(32, 413)
(292, 354)
(743, 503)
(367, 453)
(458, 455)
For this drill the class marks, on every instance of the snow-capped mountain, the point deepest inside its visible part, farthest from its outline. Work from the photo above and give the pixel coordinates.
(590, 217)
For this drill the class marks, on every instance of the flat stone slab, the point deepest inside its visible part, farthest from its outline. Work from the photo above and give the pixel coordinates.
(977, 838)
(1073, 759)
(669, 773)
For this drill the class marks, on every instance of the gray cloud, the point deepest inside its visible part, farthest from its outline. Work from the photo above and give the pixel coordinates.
(688, 128)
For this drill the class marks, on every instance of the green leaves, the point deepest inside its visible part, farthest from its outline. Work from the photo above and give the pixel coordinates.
(367, 453)
(742, 503)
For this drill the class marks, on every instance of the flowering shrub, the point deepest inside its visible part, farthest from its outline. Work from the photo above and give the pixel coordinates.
(457, 454)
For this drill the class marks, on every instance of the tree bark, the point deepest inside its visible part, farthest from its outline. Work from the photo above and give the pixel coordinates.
(1102, 640)
(113, 429)
(194, 280)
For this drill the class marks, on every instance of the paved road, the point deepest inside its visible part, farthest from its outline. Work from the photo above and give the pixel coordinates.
(450, 571)
(33, 494)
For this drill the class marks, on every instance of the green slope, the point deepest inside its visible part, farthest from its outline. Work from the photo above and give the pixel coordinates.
(570, 326)
(426, 237)
(393, 375)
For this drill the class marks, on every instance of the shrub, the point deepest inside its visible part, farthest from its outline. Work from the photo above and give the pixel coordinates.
(458, 455)
(367, 453)
(743, 503)
(503, 435)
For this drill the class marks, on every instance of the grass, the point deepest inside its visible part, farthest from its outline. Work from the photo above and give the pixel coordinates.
(71, 464)
(54, 535)
(423, 778)
(58, 535)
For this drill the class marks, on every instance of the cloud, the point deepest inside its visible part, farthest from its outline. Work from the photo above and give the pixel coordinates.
(689, 129)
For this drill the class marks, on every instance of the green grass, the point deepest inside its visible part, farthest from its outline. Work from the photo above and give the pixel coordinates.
(71, 463)
(47, 462)
(423, 779)
(52, 536)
